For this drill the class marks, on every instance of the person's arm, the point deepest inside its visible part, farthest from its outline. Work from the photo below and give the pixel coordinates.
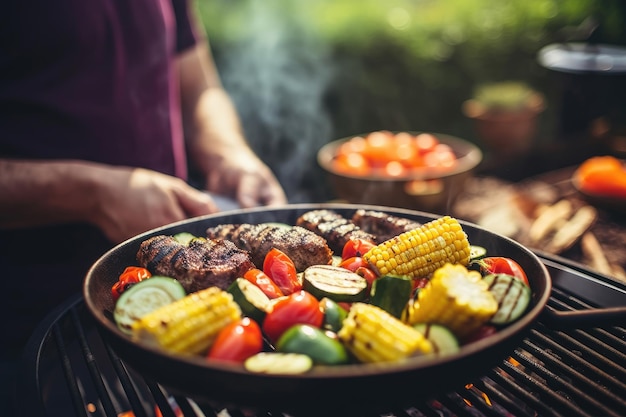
(216, 142)
(121, 201)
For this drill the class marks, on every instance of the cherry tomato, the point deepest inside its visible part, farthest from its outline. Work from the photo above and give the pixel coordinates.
(265, 283)
(354, 263)
(502, 265)
(237, 341)
(282, 271)
(356, 247)
(298, 308)
(369, 275)
(130, 276)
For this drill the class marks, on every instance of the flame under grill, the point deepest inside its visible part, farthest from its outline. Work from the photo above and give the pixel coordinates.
(554, 372)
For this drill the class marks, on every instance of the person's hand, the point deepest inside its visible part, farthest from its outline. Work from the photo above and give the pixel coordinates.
(243, 176)
(132, 201)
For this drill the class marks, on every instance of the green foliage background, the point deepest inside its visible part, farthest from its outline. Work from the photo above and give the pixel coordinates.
(304, 72)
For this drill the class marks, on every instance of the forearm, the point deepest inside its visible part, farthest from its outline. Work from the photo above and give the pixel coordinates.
(212, 125)
(34, 193)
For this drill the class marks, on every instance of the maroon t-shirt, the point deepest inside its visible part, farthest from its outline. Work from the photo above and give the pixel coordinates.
(83, 79)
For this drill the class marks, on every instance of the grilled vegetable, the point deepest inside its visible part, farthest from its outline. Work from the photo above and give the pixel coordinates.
(334, 282)
(144, 297)
(189, 325)
(456, 298)
(391, 293)
(334, 314)
(298, 308)
(278, 363)
(282, 271)
(419, 252)
(512, 295)
(129, 277)
(250, 298)
(313, 342)
(442, 339)
(265, 283)
(373, 335)
(501, 265)
(477, 252)
(237, 341)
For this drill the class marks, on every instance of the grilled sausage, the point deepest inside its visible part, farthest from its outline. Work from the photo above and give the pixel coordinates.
(303, 247)
(336, 229)
(199, 265)
(382, 225)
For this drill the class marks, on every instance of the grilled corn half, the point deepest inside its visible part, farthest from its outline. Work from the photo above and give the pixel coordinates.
(189, 325)
(373, 335)
(419, 252)
(456, 298)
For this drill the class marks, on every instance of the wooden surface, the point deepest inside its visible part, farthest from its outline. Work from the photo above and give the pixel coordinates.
(512, 208)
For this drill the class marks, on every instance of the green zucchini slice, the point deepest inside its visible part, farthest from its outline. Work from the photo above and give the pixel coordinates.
(144, 297)
(334, 282)
(251, 299)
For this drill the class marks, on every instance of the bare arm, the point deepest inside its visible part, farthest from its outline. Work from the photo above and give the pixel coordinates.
(121, 201)
(216, 141)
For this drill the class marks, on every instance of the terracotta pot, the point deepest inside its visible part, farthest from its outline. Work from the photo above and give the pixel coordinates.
(505, 131)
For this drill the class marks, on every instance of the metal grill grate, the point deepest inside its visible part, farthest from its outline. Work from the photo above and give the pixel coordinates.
(572, 372)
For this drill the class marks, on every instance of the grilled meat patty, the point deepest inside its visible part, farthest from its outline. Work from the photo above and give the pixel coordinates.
(303, 247)
(382, 225)
(336, 229)
(200, 265)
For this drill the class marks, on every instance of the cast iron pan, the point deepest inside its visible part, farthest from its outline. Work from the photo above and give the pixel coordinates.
(345, 390)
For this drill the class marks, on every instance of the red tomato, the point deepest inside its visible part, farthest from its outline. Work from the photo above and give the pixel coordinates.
(369, 275)
(298, 308)
(282, 271)
(237, 341)
(356, 247)
(131, 275)
(352, 264)
(502, 265)
(265, 283)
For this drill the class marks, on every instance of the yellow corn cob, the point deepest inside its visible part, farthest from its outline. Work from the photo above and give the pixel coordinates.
(190, 324)
(456, 298)
(373, 335)
(418, 252)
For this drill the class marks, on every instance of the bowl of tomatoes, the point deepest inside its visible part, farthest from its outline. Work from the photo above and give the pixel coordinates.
(414, 170)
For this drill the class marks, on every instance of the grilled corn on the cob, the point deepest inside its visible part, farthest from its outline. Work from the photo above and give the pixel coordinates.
(189, 325)
(456, 298)
(419, 252)
(373, 335)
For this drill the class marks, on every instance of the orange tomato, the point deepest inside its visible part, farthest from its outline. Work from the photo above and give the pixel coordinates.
(352, 164)
(602, 175)
(426, 142)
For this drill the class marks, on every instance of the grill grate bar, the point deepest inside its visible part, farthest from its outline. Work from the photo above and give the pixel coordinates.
(584, 358)
(560, 384)
(534, 391)
(68, 372)
(125, 381)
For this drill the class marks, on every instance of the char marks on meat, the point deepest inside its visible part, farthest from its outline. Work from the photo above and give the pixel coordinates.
(303, 247)
(333, 227)
(200, 265)
(382, 225)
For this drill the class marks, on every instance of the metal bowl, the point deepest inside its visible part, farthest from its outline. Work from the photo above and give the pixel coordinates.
(349, 389)
(426, 190)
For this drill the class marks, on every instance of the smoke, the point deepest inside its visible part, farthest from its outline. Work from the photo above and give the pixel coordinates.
(278, 76)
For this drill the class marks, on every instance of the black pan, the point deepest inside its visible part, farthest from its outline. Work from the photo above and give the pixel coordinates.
(345, 390)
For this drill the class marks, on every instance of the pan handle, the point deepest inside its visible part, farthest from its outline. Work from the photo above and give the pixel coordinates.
(597, 317)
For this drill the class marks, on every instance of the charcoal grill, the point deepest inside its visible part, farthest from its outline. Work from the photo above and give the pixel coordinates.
(70, 370)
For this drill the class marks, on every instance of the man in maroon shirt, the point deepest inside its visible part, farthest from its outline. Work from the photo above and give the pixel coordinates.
(101, 102)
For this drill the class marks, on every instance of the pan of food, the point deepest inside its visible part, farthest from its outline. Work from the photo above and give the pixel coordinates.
(369, 307)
